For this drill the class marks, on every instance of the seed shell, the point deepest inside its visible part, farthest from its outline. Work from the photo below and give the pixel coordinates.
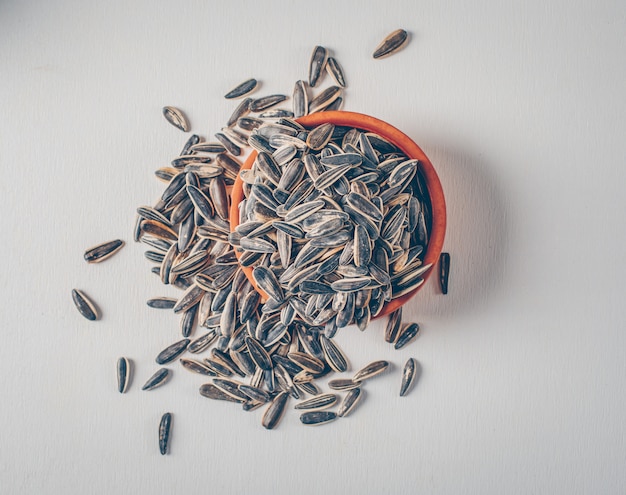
(318, 402)
(171, 352)
(444, 271)
(85, 306)
(123, 374)
(409, 375)
(317, 64)
(336, 72)
(159, 378)
(176, 117)
(103, 251)
(242, 89)
(274, 411)
(164, 432)
(408, 332)
(371, 370)
(349, 402)
(391, 44)
(343, 384)
(315, 418)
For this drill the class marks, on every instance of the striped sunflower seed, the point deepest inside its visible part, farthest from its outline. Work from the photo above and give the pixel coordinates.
(274, 411)
(391, 44)
(444, 271)
(336, 72)
(349, 402)
(103, 251)
(164, 432)
(371, 370)
(171, 352)
(123, 374)
(410, 374)
(315, 418)
(176, 117)
(242, 89)
(159, 378)
(317, 64)
(85, 306)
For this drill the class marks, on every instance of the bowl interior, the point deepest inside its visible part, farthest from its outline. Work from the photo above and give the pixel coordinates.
(412, 150)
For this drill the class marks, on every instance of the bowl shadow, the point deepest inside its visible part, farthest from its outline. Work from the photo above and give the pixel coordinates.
(477, 235)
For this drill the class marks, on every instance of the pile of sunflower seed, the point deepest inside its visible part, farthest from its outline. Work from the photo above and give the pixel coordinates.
(333, 225)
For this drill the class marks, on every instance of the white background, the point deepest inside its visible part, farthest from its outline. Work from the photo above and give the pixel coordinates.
(521, 106)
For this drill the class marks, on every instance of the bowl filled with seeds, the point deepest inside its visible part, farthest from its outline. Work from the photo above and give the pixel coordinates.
(337, 218)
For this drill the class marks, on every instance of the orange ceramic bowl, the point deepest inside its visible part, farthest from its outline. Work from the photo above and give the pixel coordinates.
(412, 150)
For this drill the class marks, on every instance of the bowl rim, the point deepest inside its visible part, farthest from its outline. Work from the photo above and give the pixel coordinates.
(409, 148)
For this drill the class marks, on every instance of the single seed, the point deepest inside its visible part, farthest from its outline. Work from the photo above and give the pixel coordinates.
(123, 374)
(242, 89)
(171, 352)
(336, 72)
(159, 378)
(315, 418)
(176, 117)
(371, 370)
(392, 43)
(85, 306)
(349, 402)
(444, 271)
(317, 64)
(164, 432)
(274, 411)
(409, 376)
(103, 251)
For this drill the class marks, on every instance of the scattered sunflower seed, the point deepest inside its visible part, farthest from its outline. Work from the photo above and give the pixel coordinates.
(176, 117)
(444, 271)
(123, 374)
(242, 89)
(409, 375)
(158, 379)
(164, 432)
(103, 251)
(392, 43)
(85, 306)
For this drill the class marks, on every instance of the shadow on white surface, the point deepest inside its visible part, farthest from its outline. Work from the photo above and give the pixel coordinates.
(477, 233)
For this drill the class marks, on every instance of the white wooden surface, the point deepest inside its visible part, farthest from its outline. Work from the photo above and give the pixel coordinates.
(522, 108)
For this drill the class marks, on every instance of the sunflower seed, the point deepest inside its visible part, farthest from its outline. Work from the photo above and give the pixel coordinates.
(444, 271)
(331, 176)
(393, 326)
(164, 432)
(371, 370)
(159, 378)
(334, 356)
(85, 306)
(171, 352)
(258, 354)
(349, 402)
(202, 343)
(317, 64)
(318, 402)
(103, 251)
(257, 245)
(275, 410)
(123, 374)
(336, 72)
(197, 367)
(306, 362)
(324, 99)
(300, 99)
(265, 102)
(315, 418)
(176, 117)
(267, 281)
(407, 333)
(241, 89)
(210, 391)
(409, 375)
(240, 111)
(255, 393)
(319, 137)
(392, 43)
